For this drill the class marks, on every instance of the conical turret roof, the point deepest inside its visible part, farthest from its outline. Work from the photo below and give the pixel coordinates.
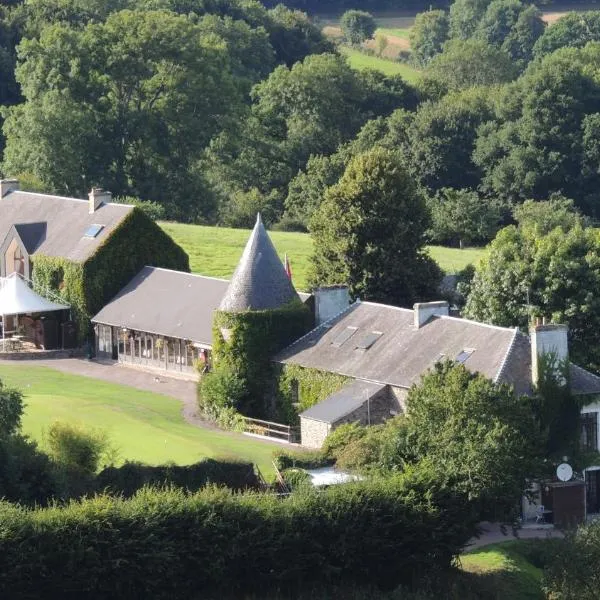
(260, 281)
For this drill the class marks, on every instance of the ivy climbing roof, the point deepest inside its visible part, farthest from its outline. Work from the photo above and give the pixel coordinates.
(260, 281)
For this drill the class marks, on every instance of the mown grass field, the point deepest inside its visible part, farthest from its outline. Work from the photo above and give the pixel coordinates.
(141, 425)
(359, 60)
(399, 32)
(215, 251)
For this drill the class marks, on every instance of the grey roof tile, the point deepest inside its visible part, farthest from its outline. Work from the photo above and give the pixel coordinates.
(55, 225)
(343, 402)
(260, 281)
(165, 302)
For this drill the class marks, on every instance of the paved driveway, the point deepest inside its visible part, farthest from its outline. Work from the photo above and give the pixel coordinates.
(492, 534)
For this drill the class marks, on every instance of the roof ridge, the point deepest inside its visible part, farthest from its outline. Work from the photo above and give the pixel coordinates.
(58, 197)
(186, 273)
(319, 326)
(585, 370)
(369, 303)
(473, 322)
(506, 356)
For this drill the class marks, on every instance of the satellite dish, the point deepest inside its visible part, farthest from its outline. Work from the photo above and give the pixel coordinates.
(564, 472)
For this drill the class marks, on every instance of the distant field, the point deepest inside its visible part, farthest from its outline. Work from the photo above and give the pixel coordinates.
(358, 60)
(215, 251)
(399, 32)
(141, 425)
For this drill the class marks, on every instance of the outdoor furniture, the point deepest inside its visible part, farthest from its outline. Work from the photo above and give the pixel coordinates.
(541, 514)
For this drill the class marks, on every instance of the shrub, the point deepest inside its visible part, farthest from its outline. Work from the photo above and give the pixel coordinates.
(170, 544)
(296, 478)
(154, 210)
(75, 447)
(310, 459)
(127, 479)
(221, 392)
(339, 438)
(11, 410)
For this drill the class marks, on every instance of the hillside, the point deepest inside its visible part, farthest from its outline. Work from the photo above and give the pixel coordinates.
(215, 251)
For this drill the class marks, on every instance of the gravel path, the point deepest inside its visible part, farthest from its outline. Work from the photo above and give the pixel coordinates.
(492, 534)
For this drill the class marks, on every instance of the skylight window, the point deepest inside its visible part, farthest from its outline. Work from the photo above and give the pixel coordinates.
(368, 340)
(343, 336)
(93, 230)
(464, 355)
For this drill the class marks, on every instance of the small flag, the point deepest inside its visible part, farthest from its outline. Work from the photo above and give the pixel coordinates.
(287, 266)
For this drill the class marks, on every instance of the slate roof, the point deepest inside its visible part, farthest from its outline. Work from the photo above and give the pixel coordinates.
(165, 302)
(402, 353)
(55, 225)
(342, 403)
(260, 281)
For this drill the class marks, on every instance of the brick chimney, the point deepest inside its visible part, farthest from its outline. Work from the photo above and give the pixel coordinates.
(330, 301)
(423, 311)
(98, 197)
(8, 185)
(549, 339)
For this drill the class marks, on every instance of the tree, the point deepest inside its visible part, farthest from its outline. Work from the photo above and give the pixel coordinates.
(521, 40)
(428, 36)
(479, 433)
(128, 104)
(465, 16)
(365, 222)
(574, 30)
(556, 275)
(442, 137)
(542, 139)
(381, 43)
(463, 217)
(11, 410)
(542, 217)
(357, 26)
(470, 63)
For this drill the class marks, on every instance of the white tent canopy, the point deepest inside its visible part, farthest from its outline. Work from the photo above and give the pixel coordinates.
(17, 298)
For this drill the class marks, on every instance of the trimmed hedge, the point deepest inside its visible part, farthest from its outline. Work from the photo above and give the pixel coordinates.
(133, 476)
(169, 544)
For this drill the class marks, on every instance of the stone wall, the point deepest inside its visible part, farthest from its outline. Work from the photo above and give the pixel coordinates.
(313, 433)
(373, 411)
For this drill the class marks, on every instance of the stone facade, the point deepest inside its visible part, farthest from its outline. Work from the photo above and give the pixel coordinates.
(313, 433)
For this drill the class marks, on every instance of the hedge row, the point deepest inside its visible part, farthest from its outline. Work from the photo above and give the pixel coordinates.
(169, 544)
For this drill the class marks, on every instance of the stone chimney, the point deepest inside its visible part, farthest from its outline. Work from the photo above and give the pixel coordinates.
(548, 340)
(98, 197)
(423, 311)
(330, 301)
(8, 185)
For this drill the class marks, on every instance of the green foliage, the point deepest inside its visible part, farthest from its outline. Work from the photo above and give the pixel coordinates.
(372, 216)
(573, 30)
(254, 338)
(542, 217)
(341, 437)
(221, 389)
(305, 459)
(241, 208)
(462, 217)
(357, 26)
(296, 478)
(465, 16)
(131, 477)
(152, 209)
(556, 275)
(75, 447)
(11, 410)
(305, 387)
(468, 63)
(572, 573)
(179, 545)
(428, 35)
(89, 286)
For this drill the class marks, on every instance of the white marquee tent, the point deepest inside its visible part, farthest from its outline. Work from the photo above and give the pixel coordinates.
(17, 298)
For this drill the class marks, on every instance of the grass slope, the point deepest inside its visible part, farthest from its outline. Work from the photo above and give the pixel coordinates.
(399, 32)
(215, 251)
(359, 60)
(141, 425)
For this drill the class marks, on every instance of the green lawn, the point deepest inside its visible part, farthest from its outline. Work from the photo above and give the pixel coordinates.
(504, 571)
(141, 425)
(215, 251)
(399, 32)
(359, 60)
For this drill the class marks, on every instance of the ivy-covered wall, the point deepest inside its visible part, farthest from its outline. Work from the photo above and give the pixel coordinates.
(136, 242)
(305, 386)
(246, 343)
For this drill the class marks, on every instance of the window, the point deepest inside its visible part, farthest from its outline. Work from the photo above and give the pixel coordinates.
(93, 230)
(19, 266)
(367, 340)
(344, 336)
(589, 431)
(464, 355)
